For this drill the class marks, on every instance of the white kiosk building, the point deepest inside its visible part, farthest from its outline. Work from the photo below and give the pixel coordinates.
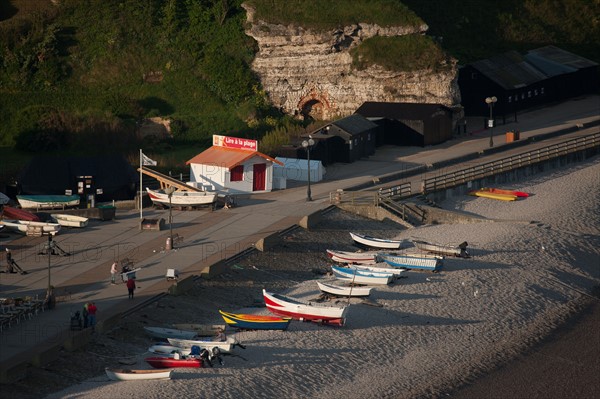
(232, 164)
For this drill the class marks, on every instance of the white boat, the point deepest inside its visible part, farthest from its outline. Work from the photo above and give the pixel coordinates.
(361, 277)
(166, 350)
(31, 228)
(413, 262)
(69, 220)
(286, 306)
(201, 330)
(186, 344)
(374, 242)
(182, 198)
(459, 250)
(165, 333)
(132, 375)
(48, 201)
(344, 290)
(384, 268)
(365, 258)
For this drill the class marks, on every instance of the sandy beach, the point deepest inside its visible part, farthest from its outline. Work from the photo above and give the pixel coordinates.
(534, 265)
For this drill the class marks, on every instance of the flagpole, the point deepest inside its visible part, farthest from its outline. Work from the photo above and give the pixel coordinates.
(141, 215)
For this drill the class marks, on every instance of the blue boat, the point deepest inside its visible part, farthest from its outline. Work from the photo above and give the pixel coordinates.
(413, 262)
(255, 322)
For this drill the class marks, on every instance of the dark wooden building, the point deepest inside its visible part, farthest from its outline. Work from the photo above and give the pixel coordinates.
(345, 140)
(519, 82)
(410, 124)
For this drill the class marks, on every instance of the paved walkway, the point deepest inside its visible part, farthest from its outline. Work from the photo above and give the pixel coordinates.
(211, 236)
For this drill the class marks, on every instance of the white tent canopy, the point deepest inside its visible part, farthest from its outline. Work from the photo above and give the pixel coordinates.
(297, 169)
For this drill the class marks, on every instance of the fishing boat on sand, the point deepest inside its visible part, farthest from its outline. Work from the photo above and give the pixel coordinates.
(384, 268)
(201, 330)
(160, 362)
(356, 276)
(255, 322)
(412, 262)
(366, 258)
(164, 333)
(224, 346)
(520, 194)
(459, 250)
(344, 290)
(373, 242)
(134, 375)
(48, 201)
(495, 196)
(182, 198)
(300, 310)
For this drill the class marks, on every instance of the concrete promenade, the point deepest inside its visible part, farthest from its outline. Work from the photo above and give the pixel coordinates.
(210, 237)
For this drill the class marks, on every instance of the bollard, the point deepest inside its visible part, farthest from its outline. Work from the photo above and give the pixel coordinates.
(169, 244)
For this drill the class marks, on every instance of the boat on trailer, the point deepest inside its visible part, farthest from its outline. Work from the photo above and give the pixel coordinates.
(286, 306)
(135, 375)
(48, 201)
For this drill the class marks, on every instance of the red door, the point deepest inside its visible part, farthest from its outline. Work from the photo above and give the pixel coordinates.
(259, 175)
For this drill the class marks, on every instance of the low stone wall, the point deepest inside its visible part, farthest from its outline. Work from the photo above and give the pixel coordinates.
(268, 242)
(310, 221)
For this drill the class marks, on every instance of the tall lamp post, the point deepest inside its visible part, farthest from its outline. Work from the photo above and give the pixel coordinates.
(307, 144)
(169, 191)
(490, 101)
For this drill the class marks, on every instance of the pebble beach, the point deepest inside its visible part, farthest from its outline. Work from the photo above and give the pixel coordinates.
(534, 264)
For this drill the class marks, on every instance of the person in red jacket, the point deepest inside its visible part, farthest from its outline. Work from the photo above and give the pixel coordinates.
(92, 309)
(131, 287)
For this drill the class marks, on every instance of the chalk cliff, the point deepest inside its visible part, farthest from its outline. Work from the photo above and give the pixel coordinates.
(310, 73)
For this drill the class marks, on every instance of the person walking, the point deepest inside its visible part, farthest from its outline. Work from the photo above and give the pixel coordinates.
(92, 309)
(85, 314)
(131, 287)
(113, 273)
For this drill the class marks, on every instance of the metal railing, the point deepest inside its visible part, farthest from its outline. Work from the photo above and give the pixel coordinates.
(452, 179)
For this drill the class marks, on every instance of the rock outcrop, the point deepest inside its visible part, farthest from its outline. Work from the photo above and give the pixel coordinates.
(310, 73)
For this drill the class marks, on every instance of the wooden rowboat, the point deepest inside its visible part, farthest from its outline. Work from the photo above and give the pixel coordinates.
(69, 220)
(459, 250)
(384, 268)
(31, 228)
(159, 362)
(164, 333)
(344, 290)
(133, 375)
(356, 276)
(182, 198)
(412, 262)
(255, 322)
(300, 310)
(365, 258)
(374, 242)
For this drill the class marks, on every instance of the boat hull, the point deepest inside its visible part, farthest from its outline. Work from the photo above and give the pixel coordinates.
(352, 257)
(373, 242)
(347, 291)
(494, 196)
(31, 228)
(255, 322)
(440, 249)
(136, 375)
(70, 220)
(361, 277)
(520, 194)
(10, 213)
(159, 362)
(285, 306)
(164, 333)
(412, 262)
(48, 201)
(182, 198)
(186, 344)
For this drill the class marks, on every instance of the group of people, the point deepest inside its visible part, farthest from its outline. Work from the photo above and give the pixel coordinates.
(114, 270)
(89, 315)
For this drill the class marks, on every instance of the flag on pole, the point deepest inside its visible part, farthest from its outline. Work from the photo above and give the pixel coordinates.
(146, 161)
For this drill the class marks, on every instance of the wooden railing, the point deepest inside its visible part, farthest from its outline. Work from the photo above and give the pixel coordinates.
(463, 176)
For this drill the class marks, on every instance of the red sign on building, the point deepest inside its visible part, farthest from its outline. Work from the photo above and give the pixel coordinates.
(235, 142)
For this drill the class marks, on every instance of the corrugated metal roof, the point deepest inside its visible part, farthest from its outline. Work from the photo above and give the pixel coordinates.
(556, 61)
(400, 111)
(355, 124)
(509, 70)
(227, 157)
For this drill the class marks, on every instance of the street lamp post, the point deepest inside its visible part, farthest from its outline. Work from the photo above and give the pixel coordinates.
(170, 192)
(490, 101)
(49, 256)
(307, 144)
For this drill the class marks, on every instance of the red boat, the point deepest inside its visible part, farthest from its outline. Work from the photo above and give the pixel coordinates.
(505, 192)
(159, 362)
(10, 213)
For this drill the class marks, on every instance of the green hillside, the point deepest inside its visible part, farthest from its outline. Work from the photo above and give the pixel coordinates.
(76, 76)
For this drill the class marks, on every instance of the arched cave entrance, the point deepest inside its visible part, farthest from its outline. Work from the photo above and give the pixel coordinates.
(313, 109)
